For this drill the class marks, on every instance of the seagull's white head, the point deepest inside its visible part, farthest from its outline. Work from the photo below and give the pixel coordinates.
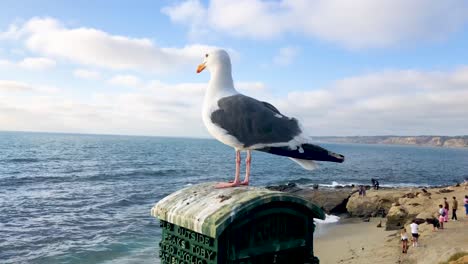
(215, 61)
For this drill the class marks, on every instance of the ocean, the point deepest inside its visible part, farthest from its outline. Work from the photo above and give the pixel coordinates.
(67, 198)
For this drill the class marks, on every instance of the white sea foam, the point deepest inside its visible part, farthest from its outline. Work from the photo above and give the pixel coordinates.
(328, 219)
(335, 184)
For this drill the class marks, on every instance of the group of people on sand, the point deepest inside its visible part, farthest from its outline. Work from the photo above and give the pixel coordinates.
(437, 223)
(444, 209)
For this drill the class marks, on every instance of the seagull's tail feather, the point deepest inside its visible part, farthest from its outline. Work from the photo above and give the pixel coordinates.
(305, 152)
(306, 164)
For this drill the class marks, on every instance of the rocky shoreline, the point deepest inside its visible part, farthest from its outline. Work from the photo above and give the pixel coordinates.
(399, 205)
(433, 141)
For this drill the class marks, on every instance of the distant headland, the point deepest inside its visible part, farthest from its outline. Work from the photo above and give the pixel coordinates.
(434, 141)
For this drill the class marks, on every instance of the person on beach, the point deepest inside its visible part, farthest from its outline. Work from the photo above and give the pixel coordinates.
(375, 184)
(465, 201)
(446, 208)
(404, 240)
(435, 223)
(414, 232)
(454, 208)
(441, 216)
(362, 190)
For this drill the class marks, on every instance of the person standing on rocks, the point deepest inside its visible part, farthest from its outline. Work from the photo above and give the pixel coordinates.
(415, 232)
(446, 207)
(362, 191)
(441, 216)
(465, 201)
(454, 208)
(435, 223)
(375, 183)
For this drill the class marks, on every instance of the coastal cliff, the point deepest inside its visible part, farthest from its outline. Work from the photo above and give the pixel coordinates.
(434, 141)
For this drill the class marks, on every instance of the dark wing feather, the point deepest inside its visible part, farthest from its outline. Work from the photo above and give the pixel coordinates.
(254, 122)
(271, 107)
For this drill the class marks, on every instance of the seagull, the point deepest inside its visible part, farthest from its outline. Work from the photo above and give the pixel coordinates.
(247, 124)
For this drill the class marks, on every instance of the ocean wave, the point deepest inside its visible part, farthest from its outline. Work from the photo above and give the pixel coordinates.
(328, 219)
(21, 160)
(15, 181)
(135, 174)
(302, 181)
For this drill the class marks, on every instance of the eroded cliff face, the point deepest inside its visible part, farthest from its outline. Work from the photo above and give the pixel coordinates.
(435, 141)
(456, 142)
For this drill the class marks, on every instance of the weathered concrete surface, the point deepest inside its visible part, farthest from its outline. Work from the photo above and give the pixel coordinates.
(208, 211)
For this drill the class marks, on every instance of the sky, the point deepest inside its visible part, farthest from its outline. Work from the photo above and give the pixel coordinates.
(343, 68)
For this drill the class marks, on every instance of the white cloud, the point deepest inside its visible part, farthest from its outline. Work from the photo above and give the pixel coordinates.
(36, 63)
(192, 13)
(400, 102)
(33, 63)
(354, 24)
(14, 86)
(186, 12)
(90, 46)
(5, 63)
(125, 80)
(87, 74)
(286, 56)
(10, 86)
(13, 32)
(396, 102)
(156, 109)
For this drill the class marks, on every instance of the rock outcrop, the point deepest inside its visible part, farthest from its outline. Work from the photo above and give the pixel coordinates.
(396, 217)
(375, 203)
(399, 205)
(331, 200)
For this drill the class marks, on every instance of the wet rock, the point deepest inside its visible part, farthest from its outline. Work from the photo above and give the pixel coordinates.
(333, 201)
(445, 190)
(410, 195)
(290, 187)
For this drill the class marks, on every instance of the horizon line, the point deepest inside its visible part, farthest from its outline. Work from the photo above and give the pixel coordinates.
(195, 137)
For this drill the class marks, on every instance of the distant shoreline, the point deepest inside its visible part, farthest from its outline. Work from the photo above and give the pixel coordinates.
(428, 141)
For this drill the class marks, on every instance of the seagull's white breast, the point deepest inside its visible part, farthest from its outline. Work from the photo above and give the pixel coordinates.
(210, 105)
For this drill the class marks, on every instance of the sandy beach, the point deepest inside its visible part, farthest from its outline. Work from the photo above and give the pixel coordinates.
(353, 241)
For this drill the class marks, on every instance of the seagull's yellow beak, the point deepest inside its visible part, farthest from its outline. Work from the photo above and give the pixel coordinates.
(201, 67)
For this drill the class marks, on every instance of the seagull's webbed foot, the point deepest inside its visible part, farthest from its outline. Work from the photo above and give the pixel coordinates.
(227, 185)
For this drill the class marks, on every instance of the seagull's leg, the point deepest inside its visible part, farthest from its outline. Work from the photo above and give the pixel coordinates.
(236, 181)
(248, 161)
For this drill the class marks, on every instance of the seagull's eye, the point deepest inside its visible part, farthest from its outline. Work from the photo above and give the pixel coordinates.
(206, 55)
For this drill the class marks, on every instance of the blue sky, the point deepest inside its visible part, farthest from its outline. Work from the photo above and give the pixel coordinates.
(128, 67)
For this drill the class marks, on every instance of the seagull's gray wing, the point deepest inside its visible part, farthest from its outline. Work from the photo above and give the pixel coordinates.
(254, 122)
